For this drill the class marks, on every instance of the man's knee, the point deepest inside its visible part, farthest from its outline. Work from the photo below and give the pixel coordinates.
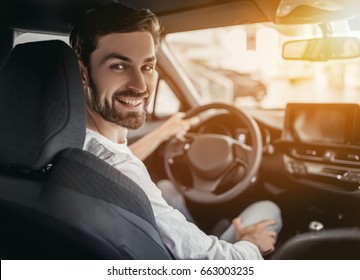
(262, 210)
(268, 205)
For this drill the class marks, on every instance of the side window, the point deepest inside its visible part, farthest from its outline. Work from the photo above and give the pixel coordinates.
(165, 102)
(32, 37)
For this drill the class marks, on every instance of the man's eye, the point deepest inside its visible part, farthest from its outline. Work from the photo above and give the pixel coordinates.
(117, 67)
(148, 68)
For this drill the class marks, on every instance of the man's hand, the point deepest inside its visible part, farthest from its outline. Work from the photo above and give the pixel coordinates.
(258, 234)
(176, 125)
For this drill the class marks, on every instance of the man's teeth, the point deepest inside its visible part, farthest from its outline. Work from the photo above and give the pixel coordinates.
(131, 102)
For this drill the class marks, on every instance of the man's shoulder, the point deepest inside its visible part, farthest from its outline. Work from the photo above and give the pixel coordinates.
(93, 145)
(104, 149)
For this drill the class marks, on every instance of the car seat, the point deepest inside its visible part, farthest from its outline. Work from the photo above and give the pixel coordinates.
(56, 200)
(327, 244)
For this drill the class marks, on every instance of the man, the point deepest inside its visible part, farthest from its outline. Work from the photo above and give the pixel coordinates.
(116, 48)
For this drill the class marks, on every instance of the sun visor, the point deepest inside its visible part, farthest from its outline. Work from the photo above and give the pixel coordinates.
(309, 11)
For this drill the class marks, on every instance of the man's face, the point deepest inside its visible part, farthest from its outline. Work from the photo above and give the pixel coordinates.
(122, 77)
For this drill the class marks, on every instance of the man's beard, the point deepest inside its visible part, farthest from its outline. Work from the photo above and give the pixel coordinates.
(130, 120)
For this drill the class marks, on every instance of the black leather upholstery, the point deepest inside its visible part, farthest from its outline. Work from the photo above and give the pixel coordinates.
(41, 107)
(329, 244)
(56, 200)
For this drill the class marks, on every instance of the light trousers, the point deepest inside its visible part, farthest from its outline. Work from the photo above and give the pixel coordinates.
(254, 213)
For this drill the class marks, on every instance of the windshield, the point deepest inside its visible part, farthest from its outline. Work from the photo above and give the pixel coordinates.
(243, 65)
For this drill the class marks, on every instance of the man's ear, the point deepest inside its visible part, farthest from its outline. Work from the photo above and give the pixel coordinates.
(84, 74)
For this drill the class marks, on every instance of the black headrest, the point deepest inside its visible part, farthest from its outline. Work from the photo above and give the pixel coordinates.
(42, 106)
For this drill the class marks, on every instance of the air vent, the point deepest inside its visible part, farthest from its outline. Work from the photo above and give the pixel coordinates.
(347, 158)
(307, 153)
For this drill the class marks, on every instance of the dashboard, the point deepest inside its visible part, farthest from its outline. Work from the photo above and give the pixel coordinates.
(314, 145)
(320, 145)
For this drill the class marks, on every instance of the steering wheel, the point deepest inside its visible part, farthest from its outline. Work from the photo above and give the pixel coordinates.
(214, 168)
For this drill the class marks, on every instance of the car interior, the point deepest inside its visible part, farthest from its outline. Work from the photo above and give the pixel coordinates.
(278, 121)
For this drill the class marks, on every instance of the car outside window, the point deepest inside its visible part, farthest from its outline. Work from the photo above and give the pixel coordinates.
(243, 65)
(166, 103)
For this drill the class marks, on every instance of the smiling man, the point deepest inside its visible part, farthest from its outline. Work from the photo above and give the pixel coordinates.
(116, 48)
(119, 83)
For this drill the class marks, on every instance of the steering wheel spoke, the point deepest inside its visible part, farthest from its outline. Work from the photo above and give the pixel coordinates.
(242, 153)
(213, 186)
(178, 147)
(205, 185)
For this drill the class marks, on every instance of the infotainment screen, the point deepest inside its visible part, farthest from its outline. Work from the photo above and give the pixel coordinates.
(321, 123)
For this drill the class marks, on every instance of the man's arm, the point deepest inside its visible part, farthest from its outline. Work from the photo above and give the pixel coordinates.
(176, 125)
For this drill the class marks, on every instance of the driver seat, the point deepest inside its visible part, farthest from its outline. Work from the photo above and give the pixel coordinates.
(56, 200)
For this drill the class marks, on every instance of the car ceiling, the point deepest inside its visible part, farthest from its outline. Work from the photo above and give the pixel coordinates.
(55, 16)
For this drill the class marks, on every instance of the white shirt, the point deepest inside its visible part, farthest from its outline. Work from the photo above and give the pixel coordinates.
(184, 239)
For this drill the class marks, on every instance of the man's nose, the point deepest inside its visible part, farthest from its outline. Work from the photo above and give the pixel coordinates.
(136, 81)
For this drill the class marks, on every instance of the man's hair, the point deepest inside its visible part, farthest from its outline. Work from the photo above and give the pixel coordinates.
(104, 20)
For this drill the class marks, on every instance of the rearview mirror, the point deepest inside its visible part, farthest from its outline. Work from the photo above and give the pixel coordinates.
(322, 49)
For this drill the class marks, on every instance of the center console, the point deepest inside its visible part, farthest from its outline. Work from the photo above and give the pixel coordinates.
(321, 144)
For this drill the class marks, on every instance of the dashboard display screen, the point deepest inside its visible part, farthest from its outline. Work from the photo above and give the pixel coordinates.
(320, 123)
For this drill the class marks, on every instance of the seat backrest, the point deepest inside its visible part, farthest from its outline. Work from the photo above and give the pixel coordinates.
(328, 244)
(56, 200)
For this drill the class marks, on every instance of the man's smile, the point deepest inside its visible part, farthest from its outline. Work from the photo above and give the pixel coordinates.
(131, 101)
